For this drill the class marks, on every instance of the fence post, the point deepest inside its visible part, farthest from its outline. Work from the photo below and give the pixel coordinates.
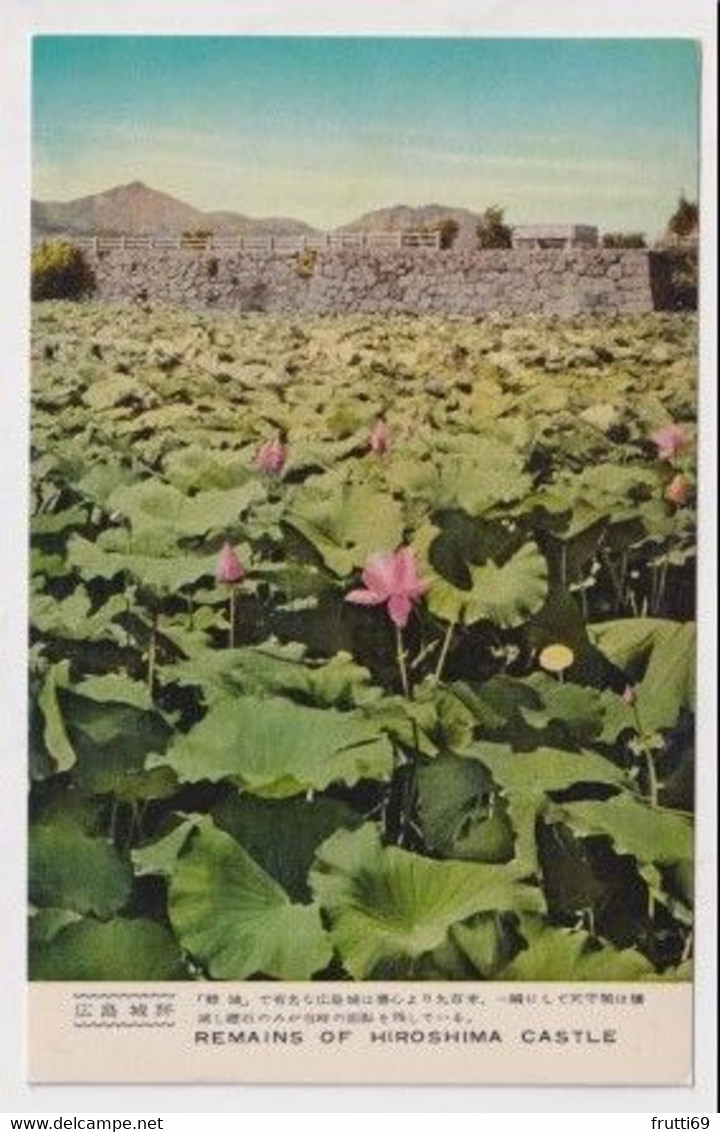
(95, 245)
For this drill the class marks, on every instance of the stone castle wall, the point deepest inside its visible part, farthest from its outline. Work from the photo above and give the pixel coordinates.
(419, 281)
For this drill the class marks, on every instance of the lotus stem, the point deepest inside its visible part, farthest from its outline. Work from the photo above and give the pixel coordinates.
(687, 948)
(662, 586)
(231, 615)
(407, 803)
(447, 639)
(152, 654)
(112, 825)
(400, 656)
(652, 780)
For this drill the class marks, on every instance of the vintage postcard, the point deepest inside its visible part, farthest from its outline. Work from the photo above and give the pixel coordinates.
(363, 559)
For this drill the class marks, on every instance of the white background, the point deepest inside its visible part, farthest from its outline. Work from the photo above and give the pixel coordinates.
(20, 19)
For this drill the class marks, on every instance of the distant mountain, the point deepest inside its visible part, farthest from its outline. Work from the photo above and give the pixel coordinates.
(136, 209)
(133, 209)
(256, 226)
(403, 217)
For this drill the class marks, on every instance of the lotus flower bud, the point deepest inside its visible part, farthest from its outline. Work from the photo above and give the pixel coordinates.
(380, 437)
(229, 568)
(670, 439)
(678, 490)
(271, 456)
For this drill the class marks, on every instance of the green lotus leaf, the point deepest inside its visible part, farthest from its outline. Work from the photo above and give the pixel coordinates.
(111, 743)
(560, 955)
(598, 494)
(55, 733)
(276, 748)
(456, 816)
(71, 619)
(579, 709)
(607, 484)
(115, 687)
(133, 950)
(45, 923)
(526, 778)
(194, 467)
(153, 504)
(413, 478)
(544, 769)
(346, 522)
(507, 595)
(111, 391)
(164, 574)
(282, 835)
(68, 869)
(272, 669)
(488, 942)
(99, 482)
(148, 503)
(389, 909)
(44, 567)
(413, 723)
(663, 837)
(500, 703)
(661, 656)
(485, 474)
(232, 917)
(56, 522)
(618, 716)
(160, 857)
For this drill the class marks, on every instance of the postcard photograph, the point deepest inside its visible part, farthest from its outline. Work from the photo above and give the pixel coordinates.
(363, 547)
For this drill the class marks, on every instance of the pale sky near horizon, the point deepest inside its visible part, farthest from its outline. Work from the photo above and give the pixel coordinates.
(323, 129)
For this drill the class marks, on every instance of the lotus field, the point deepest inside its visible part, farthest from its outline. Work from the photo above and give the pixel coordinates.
(361, 647)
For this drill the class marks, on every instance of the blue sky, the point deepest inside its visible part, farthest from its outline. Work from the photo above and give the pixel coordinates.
(323, 129)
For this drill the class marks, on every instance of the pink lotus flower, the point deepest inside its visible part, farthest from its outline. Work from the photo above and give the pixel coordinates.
(391, 578)
(670, 439)
(229, 568)
(380, 437)
(678, 490)
(629, 696)
(271, 456)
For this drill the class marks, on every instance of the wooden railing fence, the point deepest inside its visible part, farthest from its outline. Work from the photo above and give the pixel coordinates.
(289, 245)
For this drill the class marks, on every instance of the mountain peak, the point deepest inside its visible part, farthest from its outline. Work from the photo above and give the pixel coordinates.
(137, 209)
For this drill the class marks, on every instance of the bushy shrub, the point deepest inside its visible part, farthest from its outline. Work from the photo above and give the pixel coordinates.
(59, 270)
(306, 262)
(197, 238)
(684, 221)
(447, 230)
(492, 232)
(624, 240)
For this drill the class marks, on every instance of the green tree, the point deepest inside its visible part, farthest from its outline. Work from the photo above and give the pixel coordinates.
(448, 230)
(685, 218)
(492, 232)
